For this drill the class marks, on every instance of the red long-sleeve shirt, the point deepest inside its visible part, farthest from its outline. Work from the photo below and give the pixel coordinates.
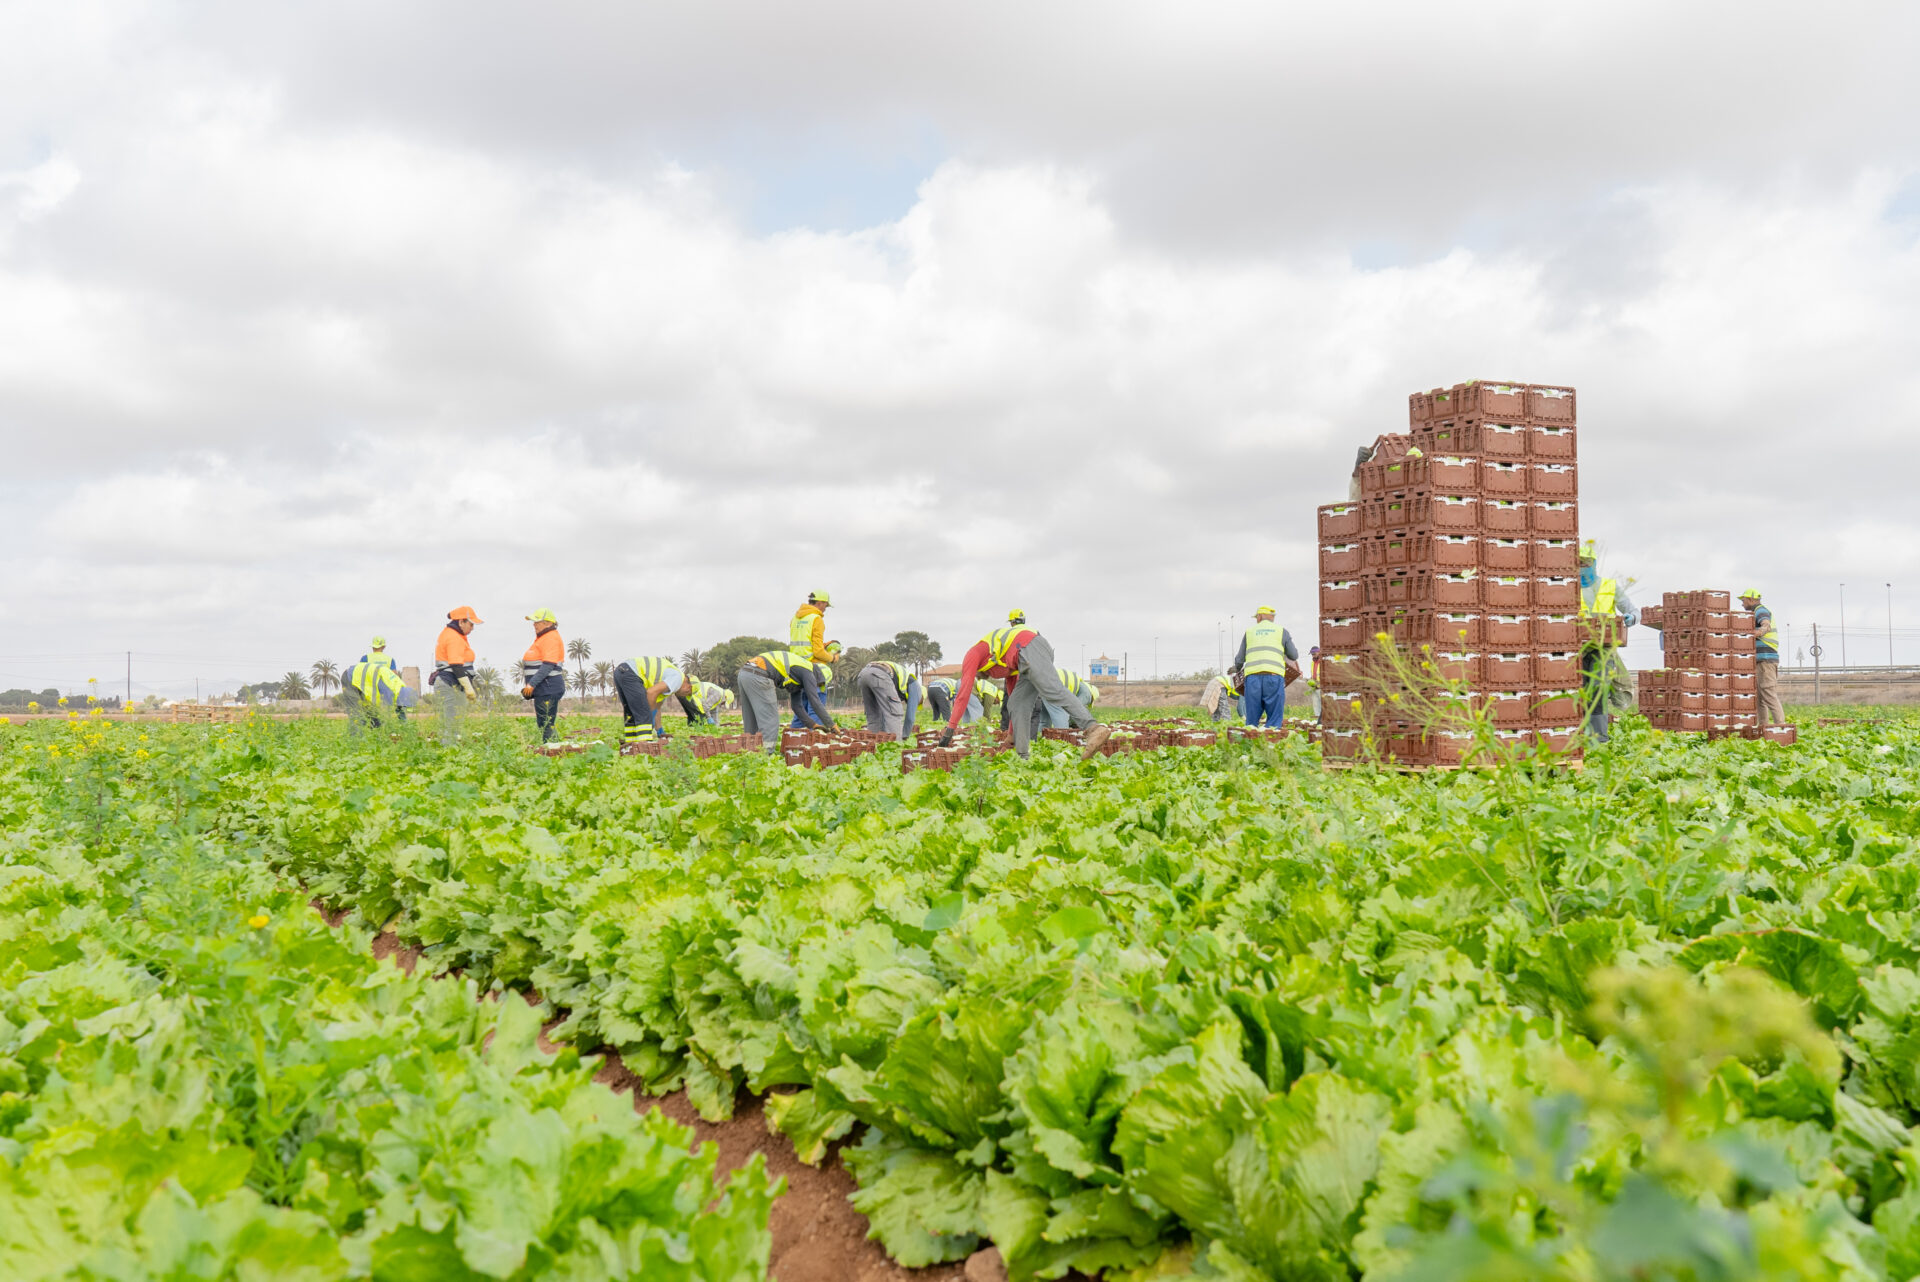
(976, 665)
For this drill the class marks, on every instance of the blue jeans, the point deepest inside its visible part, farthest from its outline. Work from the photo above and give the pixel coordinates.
(1265, 695)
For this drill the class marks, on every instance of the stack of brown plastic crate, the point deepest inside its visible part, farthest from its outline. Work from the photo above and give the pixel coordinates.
(1462, 548)
(1707, 685)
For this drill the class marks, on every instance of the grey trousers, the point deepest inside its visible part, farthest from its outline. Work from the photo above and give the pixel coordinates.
(453, 706)
(759, 706)
(887, 712)
(1038, 686)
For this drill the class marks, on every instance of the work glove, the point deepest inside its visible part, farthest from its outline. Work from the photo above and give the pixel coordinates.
(526, 692)
(946, 737)
(466, 683)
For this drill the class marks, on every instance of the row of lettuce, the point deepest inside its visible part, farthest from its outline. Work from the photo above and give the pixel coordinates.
(200, 1081)
(1210, 1012)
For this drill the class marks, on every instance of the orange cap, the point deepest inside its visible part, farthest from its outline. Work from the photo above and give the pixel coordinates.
(464, 612)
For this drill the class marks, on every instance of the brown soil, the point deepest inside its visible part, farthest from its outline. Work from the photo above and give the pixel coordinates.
(817, 1235)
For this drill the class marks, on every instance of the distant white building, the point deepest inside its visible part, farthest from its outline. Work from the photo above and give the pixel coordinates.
(1104, 666)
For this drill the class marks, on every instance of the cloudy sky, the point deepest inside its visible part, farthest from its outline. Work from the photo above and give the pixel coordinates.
(318, 320)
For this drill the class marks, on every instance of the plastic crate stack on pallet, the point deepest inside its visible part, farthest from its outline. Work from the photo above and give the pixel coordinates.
(1707, 685)
(1464, 539)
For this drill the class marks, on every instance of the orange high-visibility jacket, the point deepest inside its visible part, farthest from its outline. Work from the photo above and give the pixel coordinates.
(452, 648)
(546, 648)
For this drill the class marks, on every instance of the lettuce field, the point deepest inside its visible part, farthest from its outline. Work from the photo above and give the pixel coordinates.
(1204, 1012)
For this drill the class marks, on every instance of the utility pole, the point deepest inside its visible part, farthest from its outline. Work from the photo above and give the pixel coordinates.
(1219, 648)
(1843, 625)
(1156, 658)
(1815, 652)
(1889, 625)
(1124, 674)
(127, 703)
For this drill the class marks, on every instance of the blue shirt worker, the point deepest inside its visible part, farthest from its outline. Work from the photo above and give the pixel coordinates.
(378, 654)
(760, 682)
(372, 687)
(890, 698)
(1766, 660)
(1265, 662)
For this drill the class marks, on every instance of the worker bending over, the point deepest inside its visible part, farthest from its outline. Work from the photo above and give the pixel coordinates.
(1218, 699)
(378, 654)
(453, 667)
(1024, 660)
(1766, 660)
(761, 680)
(1051, 715)
(1265, 662)
(543, 672)
(890, 697)
(642, 684)
(807, 631)
(803, 716)
(373, 686)
(940, 692)
(706, 703)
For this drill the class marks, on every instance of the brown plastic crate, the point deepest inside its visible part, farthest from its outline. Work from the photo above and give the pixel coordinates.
(1400, 588)
(1510, 707)
(1556, 631)
(1503, 441)
(1506, 402)
(1504, 516)
(1506, 556)
(1341, 560)
(1718, 682)
(1398, 511)
(1745, 702)
(1555, 480)
(1398, 548)
(1742, 682)
(1350, 630)
(1544, 442)
(1393, 475)
(1557, 706)
(1339, 520)
(1511, 592)
(1454, 475)
(1461, 666)
(1551, 404)
(1740, 663)
(1507, 480)
(1507, 631)
(1692, 679)
(1456, 589)
(1342, 596)
(1557, 738)
(1456, 629)
(1654, 616)
(1342, 669)
(1555, 517)
(1452, 438)
(1558, 556)
(1780, 734)
(1455, 512)
(1456, 551)
(1712, 599)
(1506, 669)
(1556, 592)
(1419, 408)
(1557, 668)
(1609, 630)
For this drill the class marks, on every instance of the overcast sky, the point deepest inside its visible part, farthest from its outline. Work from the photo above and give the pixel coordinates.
(318, 320)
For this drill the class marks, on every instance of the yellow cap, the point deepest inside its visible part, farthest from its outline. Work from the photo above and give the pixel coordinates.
(820, 598)
(379, 643)
(1017, 616)
(1586, 551)
(1749, 594)
(1264, 609)
(542, 616)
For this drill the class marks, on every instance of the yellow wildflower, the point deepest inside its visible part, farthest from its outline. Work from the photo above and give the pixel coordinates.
(258, 920)
(63, 700)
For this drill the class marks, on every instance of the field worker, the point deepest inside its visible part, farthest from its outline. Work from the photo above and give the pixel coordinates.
(378, 654)
(760, 681)
(643, 684)
(1056, 717)
(1313, 678)
(803, 717)
(940, 692)
(373, 686)
(1024, 660)
(1265, 662)
(1766, 660)
(543, 672)
(807, 631)
(706, 703)
(1218, 698)
(1603, 677)
(890, 697)
(453, 666)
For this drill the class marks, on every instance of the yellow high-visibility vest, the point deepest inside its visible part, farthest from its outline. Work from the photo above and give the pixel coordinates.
(901, 675)
(1266, 649)
(784, 663)
(372, 679)
(651, 668)
(1602, 600)
(1000, 645)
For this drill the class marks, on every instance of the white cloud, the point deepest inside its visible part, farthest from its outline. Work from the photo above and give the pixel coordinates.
(298, 360)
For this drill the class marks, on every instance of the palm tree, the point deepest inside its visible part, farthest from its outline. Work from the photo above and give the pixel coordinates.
(579, 683)
(487, 682)
(325, 676)
(690, 664)
(603, 675)
(580, 650)
(294, 686)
